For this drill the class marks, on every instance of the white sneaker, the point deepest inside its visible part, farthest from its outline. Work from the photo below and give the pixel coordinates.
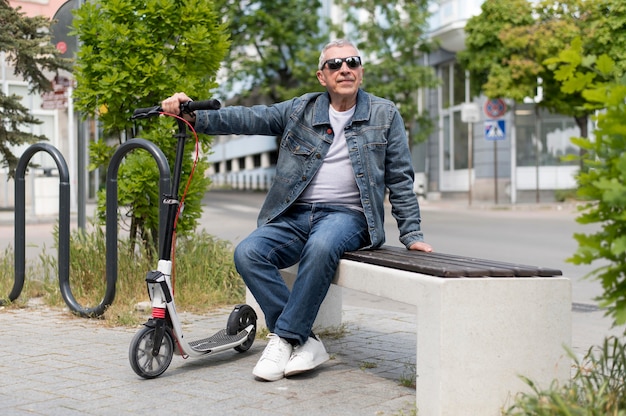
(306, 357)
(271, 365)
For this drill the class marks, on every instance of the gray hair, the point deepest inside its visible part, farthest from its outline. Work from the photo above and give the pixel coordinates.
(336, 43)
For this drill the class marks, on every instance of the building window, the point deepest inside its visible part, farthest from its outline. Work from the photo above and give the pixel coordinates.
(447, 148)
(460, 142)
(273, 157)
(554, 132)
(445, 86)
(454, 131)
(452, 85)
(256, 160)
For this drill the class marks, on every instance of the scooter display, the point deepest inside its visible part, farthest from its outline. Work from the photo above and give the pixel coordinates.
(153, 346)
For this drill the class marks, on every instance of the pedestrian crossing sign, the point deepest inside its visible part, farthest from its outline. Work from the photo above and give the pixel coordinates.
(494, 129)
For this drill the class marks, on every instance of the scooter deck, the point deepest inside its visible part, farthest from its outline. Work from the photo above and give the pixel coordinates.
(220, 339)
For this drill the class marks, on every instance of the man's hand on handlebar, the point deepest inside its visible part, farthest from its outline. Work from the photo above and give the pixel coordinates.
(172, 105)
(181, 104)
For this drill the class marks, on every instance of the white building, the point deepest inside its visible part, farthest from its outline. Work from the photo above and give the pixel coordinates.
(514, 160)
(58, 125)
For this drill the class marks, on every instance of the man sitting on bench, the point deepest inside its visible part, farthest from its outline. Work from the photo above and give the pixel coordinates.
(339, 150)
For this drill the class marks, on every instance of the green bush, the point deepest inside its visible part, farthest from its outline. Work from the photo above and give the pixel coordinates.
(602, 177)
(598, 387)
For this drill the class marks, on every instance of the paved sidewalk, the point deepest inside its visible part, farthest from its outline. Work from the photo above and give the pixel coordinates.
(55, 364)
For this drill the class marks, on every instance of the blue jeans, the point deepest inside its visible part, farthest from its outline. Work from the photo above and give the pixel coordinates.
(315, 235)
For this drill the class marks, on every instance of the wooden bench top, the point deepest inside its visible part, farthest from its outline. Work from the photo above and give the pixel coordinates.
(445, 265)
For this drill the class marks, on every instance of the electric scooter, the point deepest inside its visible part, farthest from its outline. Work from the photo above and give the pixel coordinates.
(152, 347)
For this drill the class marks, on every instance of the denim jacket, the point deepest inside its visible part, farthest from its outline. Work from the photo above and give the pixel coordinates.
(377, 145)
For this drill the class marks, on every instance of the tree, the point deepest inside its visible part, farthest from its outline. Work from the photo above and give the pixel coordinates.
(509, 42)
(134, 54)
(26, 43)
(393, 36)
(274, 49)
(276, 46)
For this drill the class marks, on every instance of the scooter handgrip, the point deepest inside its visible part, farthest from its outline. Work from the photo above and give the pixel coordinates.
(204, 105)
(147, 112)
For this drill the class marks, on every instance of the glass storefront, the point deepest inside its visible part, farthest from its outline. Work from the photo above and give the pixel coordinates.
(554, 132)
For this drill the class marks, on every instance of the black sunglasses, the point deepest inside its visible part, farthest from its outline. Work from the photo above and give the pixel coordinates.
(336, 63)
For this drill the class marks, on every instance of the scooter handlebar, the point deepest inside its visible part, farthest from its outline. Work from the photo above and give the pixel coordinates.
(188, 107)
(147, 112)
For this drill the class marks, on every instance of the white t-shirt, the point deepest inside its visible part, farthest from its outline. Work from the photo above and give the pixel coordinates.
(334, 182)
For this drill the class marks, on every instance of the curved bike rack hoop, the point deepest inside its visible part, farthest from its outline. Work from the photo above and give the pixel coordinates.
(112, 205)
(64, 222)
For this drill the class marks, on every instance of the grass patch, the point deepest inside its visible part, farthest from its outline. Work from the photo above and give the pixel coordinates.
(262, 333)
(598, 386)
(36, 288)
(409, 376)
(368, 364)
(333, 332)
(204, 276)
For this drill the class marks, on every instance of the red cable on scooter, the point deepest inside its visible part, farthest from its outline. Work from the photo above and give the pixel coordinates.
(182, 200)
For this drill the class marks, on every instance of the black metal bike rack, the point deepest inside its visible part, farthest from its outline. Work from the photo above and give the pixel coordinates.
(112, 205)
(20, 222)
(64, 221)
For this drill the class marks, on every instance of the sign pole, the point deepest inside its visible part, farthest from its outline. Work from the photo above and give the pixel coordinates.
(470, 115)
(495, 109)
(495, 171)
(470, 161)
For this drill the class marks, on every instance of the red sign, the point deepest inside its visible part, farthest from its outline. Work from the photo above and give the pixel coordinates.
(495, 108)
(62, 47)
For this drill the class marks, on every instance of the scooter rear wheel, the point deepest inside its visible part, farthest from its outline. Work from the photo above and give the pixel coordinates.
(240, 318)
(142, 361)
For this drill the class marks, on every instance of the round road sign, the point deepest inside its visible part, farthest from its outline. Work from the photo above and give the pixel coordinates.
(495, 108)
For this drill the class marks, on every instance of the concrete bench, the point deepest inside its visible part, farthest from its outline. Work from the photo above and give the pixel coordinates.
(480, 324)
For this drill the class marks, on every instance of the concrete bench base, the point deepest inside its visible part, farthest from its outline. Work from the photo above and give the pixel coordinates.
(475, 336)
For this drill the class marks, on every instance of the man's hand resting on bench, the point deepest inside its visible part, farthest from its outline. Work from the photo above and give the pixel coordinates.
(421, 246)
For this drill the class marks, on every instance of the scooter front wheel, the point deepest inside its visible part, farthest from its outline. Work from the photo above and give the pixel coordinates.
(240, 318)
(140, 353)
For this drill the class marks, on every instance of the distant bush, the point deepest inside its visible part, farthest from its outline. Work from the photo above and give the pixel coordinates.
(598, 388)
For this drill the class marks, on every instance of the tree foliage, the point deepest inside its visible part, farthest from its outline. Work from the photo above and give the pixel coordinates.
(26, 43)
(393, 38)
(603, 183)
(274, 48)
(509, 42)
(134, 54)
